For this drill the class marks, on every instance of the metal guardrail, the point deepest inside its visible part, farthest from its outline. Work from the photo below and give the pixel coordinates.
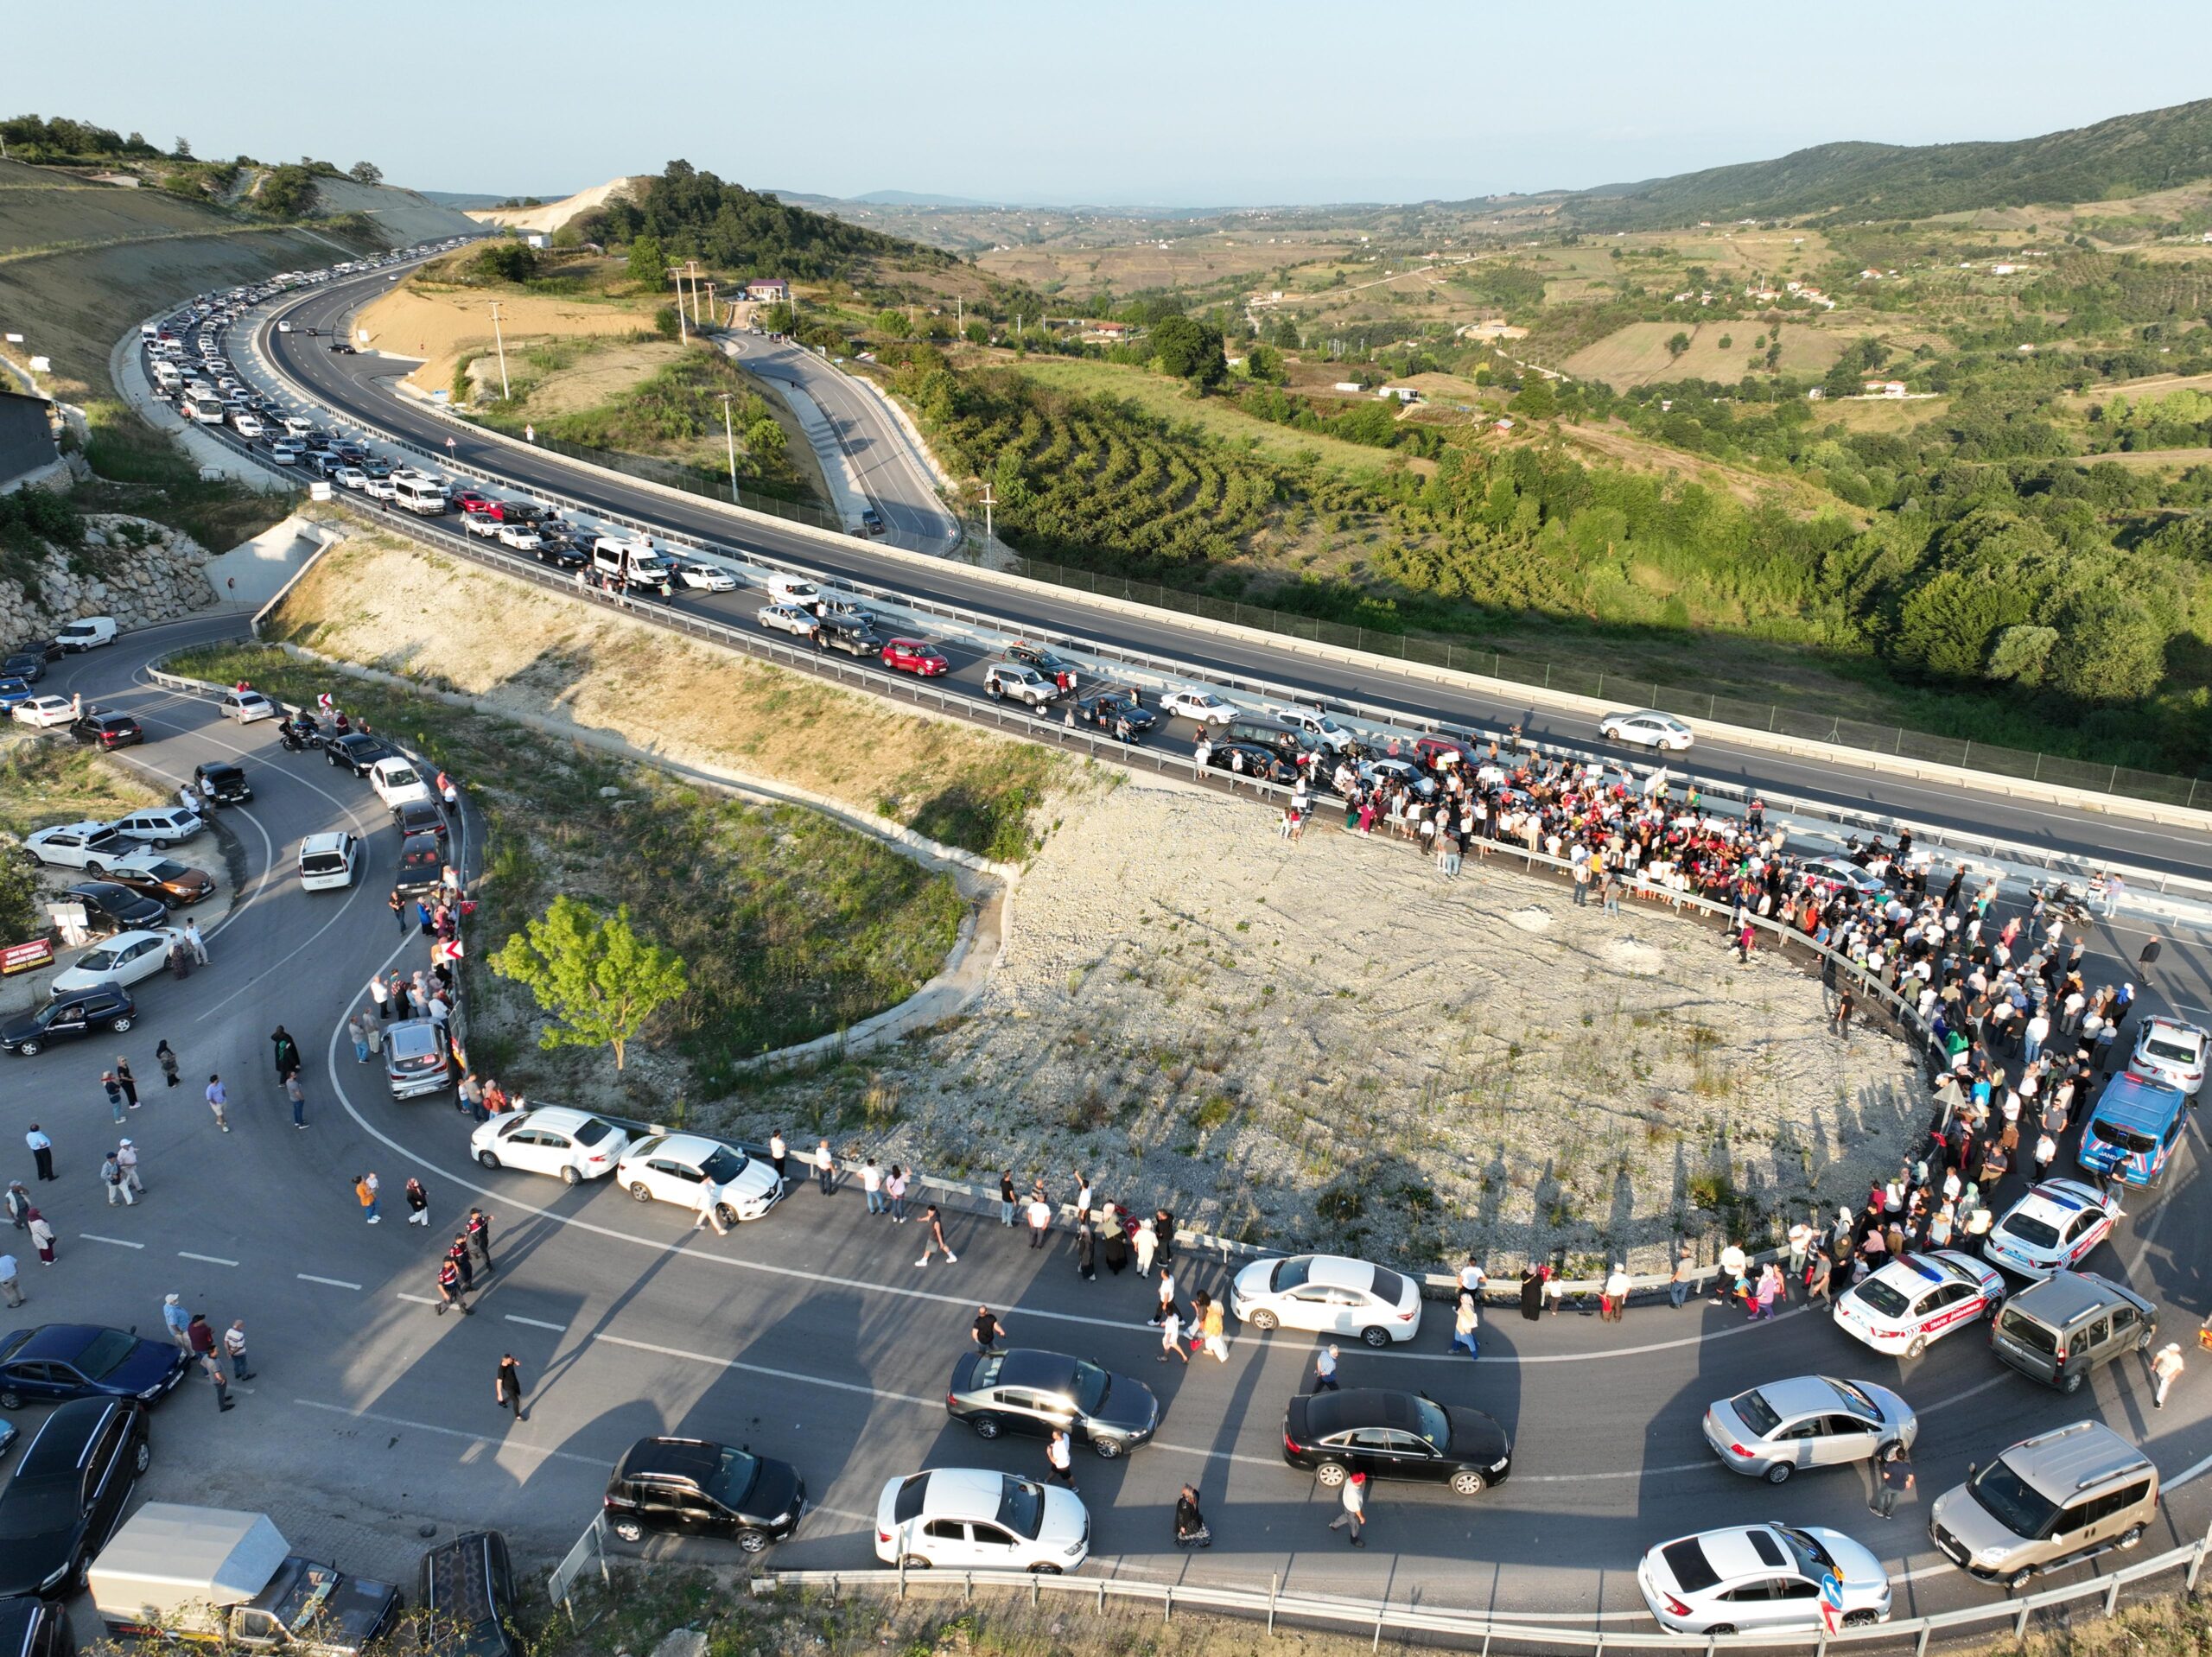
(1382, 1617)
(590, 1548)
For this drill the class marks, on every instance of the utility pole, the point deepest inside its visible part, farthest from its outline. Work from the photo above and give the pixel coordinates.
(692, 265)
(505, 394)
(959, 315)
(730, 434)
(711, 311)
(683, 330)
(988, 504)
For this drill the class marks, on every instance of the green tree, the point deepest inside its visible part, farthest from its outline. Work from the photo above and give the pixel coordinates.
(978, 332)
(777, 318)
(892, 324)
(507, 261)
(648, 265)
(2109, 648)
(1264, 364)
(1677, 344)
(1536, 399)
(1726, 341)
(183, 150)
(596, 980)
(287, 192)
(365, 172)
(567, 236)
(1284, 333)
(766, 440)
(22, 915)
(1187, 349)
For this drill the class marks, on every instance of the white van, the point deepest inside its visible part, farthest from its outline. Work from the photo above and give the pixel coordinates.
(88, 633)
(419, 495)
(794, 589)
(329, 862)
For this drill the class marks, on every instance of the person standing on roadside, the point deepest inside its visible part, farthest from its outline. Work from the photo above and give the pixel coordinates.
(218, 1100)
(986, 1330)
(380, 997)
(298, 1097)
(895, 1190)
(1678, 1285)
(1893, 1479)
(113, 1089)
(480, 1237)
(364, 1193)
(197, 944)
(1614, 1298)
(779, 1154)
(397, 905)
(1007, 1199)
(933, 1237)
(507, 1386)
(2165, 1369)
(41, 1151)
(176, 1320)
(1040, 1222)
(373, 1027)
(235, 1349)
(1355, 1513)
(165, 1057)
(19, 1204)
(359, 1035)
(127, 1081)
(1145, 1244)
(825, 1169)
(872, 1186)
(1324, 1371)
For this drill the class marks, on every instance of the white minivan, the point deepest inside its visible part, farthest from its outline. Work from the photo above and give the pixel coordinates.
(87, 632)
(329, 862)
(419, 495)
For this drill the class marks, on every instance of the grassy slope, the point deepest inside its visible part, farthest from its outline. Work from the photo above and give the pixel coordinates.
(46, 778)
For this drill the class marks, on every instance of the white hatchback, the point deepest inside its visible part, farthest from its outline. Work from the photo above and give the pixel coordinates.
(676, 1167)
(397, 782)
(1200, 705)
(971, 1519)
(2171, 1051)
(1918, 1298)
(573, 1146)
(1328, 1294)
(123, 959)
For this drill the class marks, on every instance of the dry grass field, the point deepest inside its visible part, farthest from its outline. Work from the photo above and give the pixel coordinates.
(440, 323)
(1126, 267)
(1637, 353)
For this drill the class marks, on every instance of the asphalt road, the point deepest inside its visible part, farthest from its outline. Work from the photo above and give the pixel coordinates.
(813, 1335)
(358, 387)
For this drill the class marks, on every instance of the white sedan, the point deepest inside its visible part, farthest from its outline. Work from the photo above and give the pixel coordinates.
(43, 711)
(1918, 1298)
(350, 477)
(247, 706)
(573, 1146)
(788, 619)
(970, 1519)
(1200, 705)
(1647, 728)
(1760, 1579)
(1328, 1294)
(123, 959)
(677, 1168)
(2055, 1225)
(380, 489)
(397, 782)
(519, 537)
(708, 578)
(1842, 872)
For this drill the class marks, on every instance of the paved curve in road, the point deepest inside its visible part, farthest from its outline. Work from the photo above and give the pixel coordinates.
(359, 387)
(813, 1334)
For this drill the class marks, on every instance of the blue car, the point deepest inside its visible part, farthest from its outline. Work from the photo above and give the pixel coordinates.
(13, 693)
(56, 1361)
(2137, 1123)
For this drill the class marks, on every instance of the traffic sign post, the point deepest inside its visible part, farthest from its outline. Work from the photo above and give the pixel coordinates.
(1831, 1601)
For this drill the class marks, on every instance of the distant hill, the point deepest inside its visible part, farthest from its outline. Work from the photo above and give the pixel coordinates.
(551, 215)
(2126, 156)
(911, 199)
(466, 200)
(695, 214)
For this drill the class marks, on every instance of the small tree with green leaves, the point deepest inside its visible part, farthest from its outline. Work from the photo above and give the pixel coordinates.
(1677, 344)
(596, 980)
(365, 172)
(648, 264)
(23, 912)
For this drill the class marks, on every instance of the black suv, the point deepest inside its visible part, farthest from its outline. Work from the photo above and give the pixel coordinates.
(113, 908)
(68, 1493)
(107, 730)
(1107, 708)
(468, 1599)
(855, 639)
(705, 1489)
(358, 753)
(80, 1012)
(222, 783)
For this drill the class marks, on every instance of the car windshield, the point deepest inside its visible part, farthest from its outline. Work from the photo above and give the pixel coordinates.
(166, 869)
(1882, 1298)
(1859, 1402)
(400, 777)
(1021, 1506)
(2154, 1046)
(1755, 1412)
(1808, 1549)
(2124, 1139)
(105, 1354)
(2037, 1233)
(35, 1509)
(1432, 1423)
(593, 1131)
(1091, 1386)
(722, 1164)
(1291, 1273)
(97, 960)
(733, 1479)
(2011, 1501)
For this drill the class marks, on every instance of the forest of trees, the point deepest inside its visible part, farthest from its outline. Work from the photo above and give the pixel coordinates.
(693, 215)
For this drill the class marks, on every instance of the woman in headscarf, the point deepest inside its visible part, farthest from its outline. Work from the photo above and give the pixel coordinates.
(1532, 1291)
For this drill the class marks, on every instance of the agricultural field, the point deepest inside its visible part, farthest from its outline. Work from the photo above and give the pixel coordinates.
(1638, 354)
(1171, 261)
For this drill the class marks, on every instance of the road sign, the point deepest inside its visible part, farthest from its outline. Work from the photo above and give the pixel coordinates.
(1831, 1601)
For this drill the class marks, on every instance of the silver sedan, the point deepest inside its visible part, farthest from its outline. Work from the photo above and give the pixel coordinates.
(1807, 1421)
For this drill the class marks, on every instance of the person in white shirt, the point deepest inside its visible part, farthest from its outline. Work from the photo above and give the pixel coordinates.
(825, 1169)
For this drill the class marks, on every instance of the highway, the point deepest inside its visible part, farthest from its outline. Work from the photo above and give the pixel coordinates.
(359, 388)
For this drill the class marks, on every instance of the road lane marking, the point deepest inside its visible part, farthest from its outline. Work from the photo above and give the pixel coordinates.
(212, 1260)
(763, 1369)
(453, 1432)
(334, 1282)
(538, 1323)
(419, 1299)
(94, 1237)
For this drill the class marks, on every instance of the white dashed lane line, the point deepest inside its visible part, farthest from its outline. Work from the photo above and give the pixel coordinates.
(538, 1323)
(328, 1282)
(211, 1259)
(116, 1242)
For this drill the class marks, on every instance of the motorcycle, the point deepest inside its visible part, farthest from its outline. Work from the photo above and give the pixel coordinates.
(301, 737)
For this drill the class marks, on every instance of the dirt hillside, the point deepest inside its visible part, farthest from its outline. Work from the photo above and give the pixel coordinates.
(554, 214)
(441, 326)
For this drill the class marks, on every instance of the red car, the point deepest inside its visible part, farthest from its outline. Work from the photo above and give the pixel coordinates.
(915, 656)
(470, 500)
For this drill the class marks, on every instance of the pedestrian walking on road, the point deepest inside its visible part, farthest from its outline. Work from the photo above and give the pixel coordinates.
(988, 1329)
(1465, 1321)
(176, 1320)
(1086, 1250)
(397, 905)
(129, 1082)
(223, 1400)
(41, 1237)
(112, 1177)
(1166, 1308)
(710, 1211)
(507, 1386)
(1040, 1222)
(459, 1255)
(1163, 1232)
(1214, 1331)
(113, 1089)
(126, 1159)
(872, 1186)
(165, 1057)
(357, 1033)
(1355, 1513)
(1612, 1299)
(1170, 1334)
(9, 1287)
(1059, 1456)
(234, 1350)
(2163, 1369)
(933, 1237)
(19, 1204)
(418, 1204)
(219, 1098)
(286, 1052)
(825, 1169)
(450, 1294)
(366, 1187)
(199, 1340)
(480, 1237)
(195, 943)
(1324, 1371)
(1892, 1480)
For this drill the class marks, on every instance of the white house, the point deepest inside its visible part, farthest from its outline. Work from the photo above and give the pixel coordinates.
(1403, 393)
(769, 291)
(2002, 269)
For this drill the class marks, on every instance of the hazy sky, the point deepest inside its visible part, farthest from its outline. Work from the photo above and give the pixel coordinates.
(1198, 102)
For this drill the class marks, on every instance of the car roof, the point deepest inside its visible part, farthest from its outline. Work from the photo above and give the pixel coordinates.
(2064, 1298)
(1914, 1274)
(2131, 1100)
(1360, 1406)
(2056, 1199)
(1027, 1367)
(691, 1458)
(2176, 1028)
(331, 841)
(1733, 1552)
(88, 827)
(59, 1340)
(1802, 1396)
(963, 1493)
(2058, 1465)
(64, 1437)
(1335, 1271)
(694, 1146)
(557, 1116)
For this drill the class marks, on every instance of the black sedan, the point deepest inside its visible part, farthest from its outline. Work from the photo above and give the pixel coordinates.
(1250, 760)
(1394, 1435)
(695, 1486)
(561, 552)
(1025, 1391)
(106, 730)
(222, 783)
(68, 1016)
(1108, 708)
(29, 666)
(420, 817)
(357, 752)
(110, 907)
(68, 1495)
(55, 1361)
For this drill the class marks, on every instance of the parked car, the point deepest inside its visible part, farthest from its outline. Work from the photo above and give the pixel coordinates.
(701, 1488)
(68, 1493)
(1010, 679)
(1023, 1391)
(706, 577)
(1761, 1579)
(1203, 706)
(573, 1146)
(163, 879)
(965, 1518)
(110, 907)
(1917, 1298)
(1647, 728)
(94, 846)
(1327, 1294)
(2172, 1051)
(28, 666)
(43, 711)
(123, 959)
(467, 1598)
(916, 656)
(65, 1018)
(415, 1059)
(247, 706)
(35, 1628)
(1807, 1421)
(788, 619)
(1387, 1434)
(1057, 669)
(329, 862)
(88, 633)
(396, 781)
(2058, 1499)
(161, 825)
(13, 693)
(1107, 708)
(2071, 1323)
(54, 1363)
(853, 638)
(222, 782)
(1249, 760)
(106, 731)
(356, 752)
(672, 1167)
(2057, 1224)
(1842, 872)
(2132, 1129)
(413, 817)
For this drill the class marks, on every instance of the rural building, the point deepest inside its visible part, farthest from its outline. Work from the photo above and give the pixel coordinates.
(2002, 269)
(1885, 388)
(770, 290)
(1403, 393)
(537, 238)
(1108, 333)
(1350, 386)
